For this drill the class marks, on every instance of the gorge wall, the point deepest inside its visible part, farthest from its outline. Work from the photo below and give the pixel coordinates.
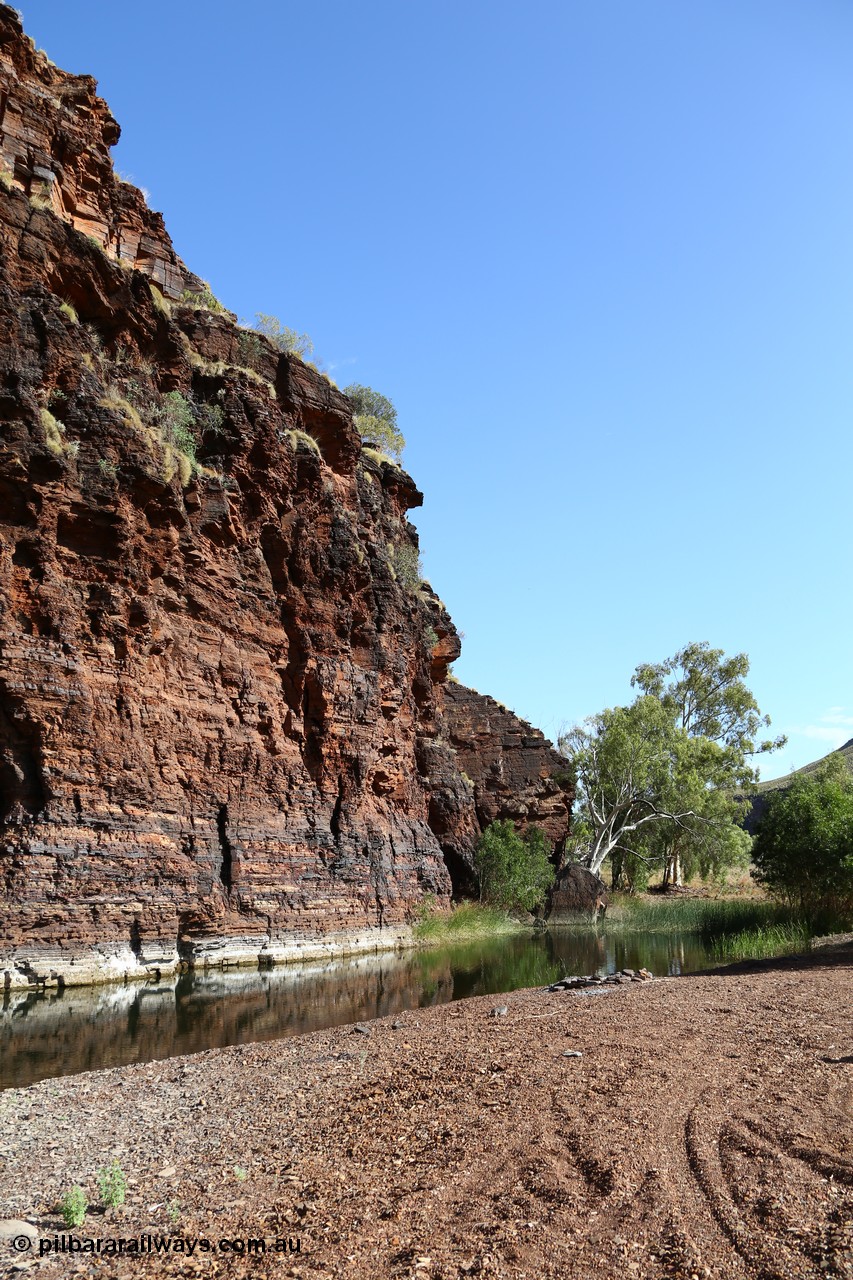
(226, 731)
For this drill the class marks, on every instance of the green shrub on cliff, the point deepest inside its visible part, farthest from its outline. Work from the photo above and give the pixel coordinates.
(407, 566)
(176, 417)
(202, 300)
(298, 344)
(376, 420)
(512, 871)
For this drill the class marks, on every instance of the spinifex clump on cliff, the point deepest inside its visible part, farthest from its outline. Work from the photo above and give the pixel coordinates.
(224, 731)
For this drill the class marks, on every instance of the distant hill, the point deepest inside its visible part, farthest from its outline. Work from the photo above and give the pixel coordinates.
(763, 789)
(775, 784)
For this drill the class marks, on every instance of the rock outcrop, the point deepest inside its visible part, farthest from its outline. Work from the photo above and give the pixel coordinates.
(577, 892)
(224, 726)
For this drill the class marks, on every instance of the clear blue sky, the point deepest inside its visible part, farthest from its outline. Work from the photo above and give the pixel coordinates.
(600, 255)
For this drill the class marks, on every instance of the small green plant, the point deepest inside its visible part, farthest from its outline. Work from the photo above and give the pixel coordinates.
(68, 311)
(96, 243)
(407, 566)
(73, 1207)
(249, 348)
(173, 1209)
(112, 1185)
(298, 344)
(240, 1173)
(6, 179)
(202, 299)
(176, 417)
(211, 419)
(430, 637)
(107, 468)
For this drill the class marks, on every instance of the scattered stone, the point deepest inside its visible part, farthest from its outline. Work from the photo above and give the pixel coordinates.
(168, 1171)
(396, 1025)
(629, 973)
(499, 1011)
(12, 1227)
(572, 1053)
(362, 1029)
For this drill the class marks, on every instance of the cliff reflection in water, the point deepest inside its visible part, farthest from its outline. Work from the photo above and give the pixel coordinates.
(86, 1029)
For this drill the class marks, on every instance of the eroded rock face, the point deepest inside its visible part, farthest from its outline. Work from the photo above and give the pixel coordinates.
(224, 728)
(512, 769)
(55, 139)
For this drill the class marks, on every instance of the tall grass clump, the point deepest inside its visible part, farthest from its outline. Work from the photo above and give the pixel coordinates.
(764, 942)
(467, 920)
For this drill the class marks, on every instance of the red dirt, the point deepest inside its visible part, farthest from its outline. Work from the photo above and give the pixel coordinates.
(705, 1131)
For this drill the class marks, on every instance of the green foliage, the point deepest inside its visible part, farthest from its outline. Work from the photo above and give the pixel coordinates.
(249, 347)
(708, 699)
(298, 344)
(211, 419)
(107, 468)
(68, 311)
(408, 569)
(803, 851)
(512, 872)
(175, 416)
(376, 420)
(202, 300)
(467, 920)
(764, 942)
(657, 780)
(73, 1207)
(112, 1185)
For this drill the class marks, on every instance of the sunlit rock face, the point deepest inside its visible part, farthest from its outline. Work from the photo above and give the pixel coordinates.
(225, 733)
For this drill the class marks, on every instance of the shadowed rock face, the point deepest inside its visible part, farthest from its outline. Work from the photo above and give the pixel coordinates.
(222, 699)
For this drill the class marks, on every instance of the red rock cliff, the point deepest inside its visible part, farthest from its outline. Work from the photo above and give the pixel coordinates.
(222, 704)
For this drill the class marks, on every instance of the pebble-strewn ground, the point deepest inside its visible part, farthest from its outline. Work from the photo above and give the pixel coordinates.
(706, 1130)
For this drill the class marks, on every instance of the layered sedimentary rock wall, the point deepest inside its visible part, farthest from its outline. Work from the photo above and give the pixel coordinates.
(224, 726)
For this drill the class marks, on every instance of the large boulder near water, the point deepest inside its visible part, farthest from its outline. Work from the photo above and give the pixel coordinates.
(577, 891)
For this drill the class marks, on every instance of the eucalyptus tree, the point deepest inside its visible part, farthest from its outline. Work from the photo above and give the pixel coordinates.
(659, 780)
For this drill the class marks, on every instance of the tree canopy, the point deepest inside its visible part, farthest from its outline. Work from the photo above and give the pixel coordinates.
(657, 781)
(376, 420)
(803, 850)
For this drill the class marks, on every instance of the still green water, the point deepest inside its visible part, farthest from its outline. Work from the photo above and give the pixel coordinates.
(88, 1028)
